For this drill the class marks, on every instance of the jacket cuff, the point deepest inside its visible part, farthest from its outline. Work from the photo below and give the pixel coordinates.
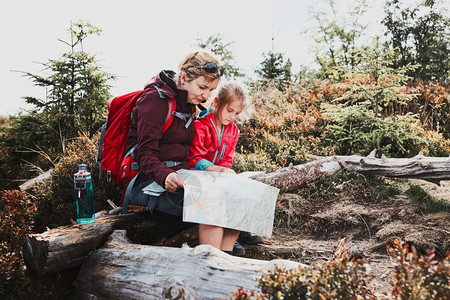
(203, 164)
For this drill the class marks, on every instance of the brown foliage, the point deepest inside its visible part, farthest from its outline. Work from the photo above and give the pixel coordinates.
(16, 220)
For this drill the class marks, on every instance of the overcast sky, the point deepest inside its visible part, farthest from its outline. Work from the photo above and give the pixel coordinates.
(141, 37)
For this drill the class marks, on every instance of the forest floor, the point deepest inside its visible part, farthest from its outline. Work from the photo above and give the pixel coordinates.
(312, 226)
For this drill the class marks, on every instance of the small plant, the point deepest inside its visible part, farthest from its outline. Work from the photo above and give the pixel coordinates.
(425, 202)
(341, 278)
(416, 277)
(258, 161)
(419, 276)
(352, 180)
(243, 294)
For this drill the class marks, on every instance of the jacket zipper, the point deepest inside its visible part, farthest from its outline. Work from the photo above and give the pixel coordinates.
(222, 153)
(220, 140)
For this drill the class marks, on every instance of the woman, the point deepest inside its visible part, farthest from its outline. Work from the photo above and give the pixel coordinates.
(159, 154)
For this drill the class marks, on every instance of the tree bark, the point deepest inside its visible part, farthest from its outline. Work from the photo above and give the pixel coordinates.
(291, 178)
(67, 247)
(28, 185)
(121, 270)
(433, 169)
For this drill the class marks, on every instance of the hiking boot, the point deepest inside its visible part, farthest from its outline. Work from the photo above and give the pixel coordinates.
(250, 238)
(238, 250)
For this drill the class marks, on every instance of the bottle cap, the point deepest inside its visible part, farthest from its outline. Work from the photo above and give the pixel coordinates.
(82, 167)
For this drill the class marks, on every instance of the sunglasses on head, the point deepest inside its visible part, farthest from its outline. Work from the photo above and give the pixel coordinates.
(209, 67)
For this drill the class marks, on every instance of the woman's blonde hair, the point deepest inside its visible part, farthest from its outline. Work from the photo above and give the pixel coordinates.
(198, 58)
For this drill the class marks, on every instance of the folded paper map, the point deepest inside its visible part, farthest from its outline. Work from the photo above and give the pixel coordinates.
(230, 201)
(226, 200)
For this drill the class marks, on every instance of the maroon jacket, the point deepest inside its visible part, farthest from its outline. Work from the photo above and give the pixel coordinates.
(147, 125)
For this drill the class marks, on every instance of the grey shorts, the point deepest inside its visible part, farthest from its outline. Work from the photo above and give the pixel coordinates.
(169, 203)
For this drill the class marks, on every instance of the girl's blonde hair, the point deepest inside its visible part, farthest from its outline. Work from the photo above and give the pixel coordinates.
(198, 58)
(231, 91)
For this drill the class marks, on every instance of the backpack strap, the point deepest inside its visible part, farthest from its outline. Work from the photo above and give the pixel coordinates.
(187, 118)
(158, 89)
(171, 106)
(127, 194)
(100, 148)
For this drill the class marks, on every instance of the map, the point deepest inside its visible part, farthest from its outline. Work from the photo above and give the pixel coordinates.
(229, 200)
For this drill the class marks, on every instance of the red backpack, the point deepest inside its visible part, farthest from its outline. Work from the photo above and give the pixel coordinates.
(111, 157)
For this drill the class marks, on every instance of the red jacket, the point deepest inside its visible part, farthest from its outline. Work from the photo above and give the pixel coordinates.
(146, 130)
(208, 147)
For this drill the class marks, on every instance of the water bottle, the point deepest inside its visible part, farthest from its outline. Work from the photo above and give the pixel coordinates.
(84, 195)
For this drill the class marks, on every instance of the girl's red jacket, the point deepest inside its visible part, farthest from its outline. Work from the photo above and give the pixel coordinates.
(209, 147)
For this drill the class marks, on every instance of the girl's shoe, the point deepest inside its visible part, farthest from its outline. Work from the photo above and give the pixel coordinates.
(238, 250)
(250, 238)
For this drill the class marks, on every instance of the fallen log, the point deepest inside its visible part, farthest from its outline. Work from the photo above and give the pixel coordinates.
(291, 178)
(28, 185)
(433, 169)
(67, 247)
(121, 270)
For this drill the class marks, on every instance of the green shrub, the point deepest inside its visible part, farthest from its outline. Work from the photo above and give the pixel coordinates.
(436, 144)
(289, 125)
(29, 146)
(356, 130)
(16, 220)
(55, 199)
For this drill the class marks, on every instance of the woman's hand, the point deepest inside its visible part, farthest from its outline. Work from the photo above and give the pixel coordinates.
(173, 182)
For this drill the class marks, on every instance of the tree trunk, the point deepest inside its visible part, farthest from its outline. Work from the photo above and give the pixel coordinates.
(66, 247)
(291, 178)
(121, 270)
(433, 169)
(28, 185)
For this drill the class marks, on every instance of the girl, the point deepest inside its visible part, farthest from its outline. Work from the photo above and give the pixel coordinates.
(212, 149)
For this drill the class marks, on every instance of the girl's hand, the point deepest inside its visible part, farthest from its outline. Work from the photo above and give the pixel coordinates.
(226, 170)
(173, 182)
(215, 168)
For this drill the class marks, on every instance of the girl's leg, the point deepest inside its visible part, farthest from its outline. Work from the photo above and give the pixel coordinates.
(229, 239)
(211, 235)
